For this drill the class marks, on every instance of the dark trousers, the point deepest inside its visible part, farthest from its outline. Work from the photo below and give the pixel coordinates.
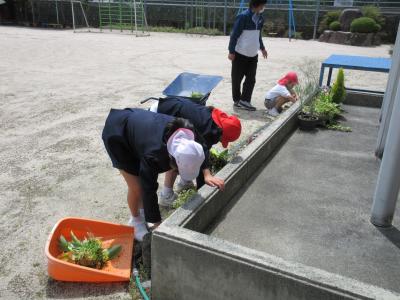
(243, 66)
(200, 180)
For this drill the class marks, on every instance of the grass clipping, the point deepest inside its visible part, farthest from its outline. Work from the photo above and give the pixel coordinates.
(217, 161)
(183, 197)
(87, 252)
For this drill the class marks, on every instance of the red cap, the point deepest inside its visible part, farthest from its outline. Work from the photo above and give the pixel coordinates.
(289, 77)
(230, 125)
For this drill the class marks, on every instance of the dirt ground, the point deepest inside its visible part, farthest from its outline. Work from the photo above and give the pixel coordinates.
(56, 88)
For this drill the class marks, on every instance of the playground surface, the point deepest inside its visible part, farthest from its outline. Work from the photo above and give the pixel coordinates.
(56, 88)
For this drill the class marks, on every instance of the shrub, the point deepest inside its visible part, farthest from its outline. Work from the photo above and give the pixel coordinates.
(363, 25)
(335, 26)
(338, 92)
(295, 35)
(327, 19)
(280, 27)
(374, 13)
(325, 109)
(377, 27)
(268, 27)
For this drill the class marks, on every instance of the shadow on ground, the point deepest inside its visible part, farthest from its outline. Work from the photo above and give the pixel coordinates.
(57, 289)
(258, 115)
(392, 234)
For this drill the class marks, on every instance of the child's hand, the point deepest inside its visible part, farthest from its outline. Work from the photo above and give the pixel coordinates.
(231, 56)
(264, 53)
(213, 181)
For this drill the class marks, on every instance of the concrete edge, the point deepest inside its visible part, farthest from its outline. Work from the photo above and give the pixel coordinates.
(235, 173)
(181, 231)
(330, 282)
(364, 99)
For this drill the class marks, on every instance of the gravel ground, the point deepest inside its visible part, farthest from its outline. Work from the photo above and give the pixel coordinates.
(56, 89)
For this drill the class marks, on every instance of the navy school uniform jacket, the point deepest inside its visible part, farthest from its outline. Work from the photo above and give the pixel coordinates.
(246, 38)
(198, 115)
(135, 142)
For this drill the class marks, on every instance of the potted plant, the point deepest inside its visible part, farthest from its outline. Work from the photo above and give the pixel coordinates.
(325, 108)
(307, 118)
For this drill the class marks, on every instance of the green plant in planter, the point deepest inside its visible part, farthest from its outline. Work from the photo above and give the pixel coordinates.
(325, 108)
(218, 159)
(183, 197)
(335, 26)
(338, 92)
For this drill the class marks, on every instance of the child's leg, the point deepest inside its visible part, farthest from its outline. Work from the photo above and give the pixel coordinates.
(280, 101)
(167, 195)
(135, 205)
(134, 192)
(250, 81)
(237, 74)
(169, 180)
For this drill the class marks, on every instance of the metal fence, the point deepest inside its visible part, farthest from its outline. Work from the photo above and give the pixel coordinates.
(386, 6)
(212, 14)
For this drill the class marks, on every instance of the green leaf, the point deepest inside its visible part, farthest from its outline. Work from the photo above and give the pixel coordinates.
(63, 244)
(75, 240)
(113, 251)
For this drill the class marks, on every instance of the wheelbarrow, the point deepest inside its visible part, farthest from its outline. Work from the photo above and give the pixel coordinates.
(190, 86)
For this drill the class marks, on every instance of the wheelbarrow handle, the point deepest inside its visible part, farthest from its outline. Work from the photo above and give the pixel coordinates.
(204, 99)
(151, 98)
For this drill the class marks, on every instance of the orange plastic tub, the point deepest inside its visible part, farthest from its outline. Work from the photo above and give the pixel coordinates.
(117, 269)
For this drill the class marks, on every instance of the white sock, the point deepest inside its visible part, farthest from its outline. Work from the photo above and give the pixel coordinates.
(274, 110)
(138, 220)
(141, 212)
(166, 191)
(140, 231)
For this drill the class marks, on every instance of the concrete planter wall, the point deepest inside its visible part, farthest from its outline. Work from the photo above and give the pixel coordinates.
(350, 38)
(189, 264)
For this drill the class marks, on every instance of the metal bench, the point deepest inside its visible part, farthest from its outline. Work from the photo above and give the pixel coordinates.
(363, 63)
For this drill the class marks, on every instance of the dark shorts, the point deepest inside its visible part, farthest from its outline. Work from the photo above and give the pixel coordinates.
(268, 103)
(121, 157)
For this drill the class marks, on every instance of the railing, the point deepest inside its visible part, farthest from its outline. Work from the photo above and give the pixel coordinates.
(386, 6)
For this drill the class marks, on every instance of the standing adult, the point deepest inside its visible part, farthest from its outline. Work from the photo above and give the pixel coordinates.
(245, 41)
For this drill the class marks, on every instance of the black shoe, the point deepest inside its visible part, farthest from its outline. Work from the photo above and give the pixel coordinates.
(246, 105)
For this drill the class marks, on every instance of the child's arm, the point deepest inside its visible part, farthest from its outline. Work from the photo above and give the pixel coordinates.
(293, 94)
(236, 32)
(262, 47)
(287, 94)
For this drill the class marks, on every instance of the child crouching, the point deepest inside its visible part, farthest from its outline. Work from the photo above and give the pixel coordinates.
(281, 93)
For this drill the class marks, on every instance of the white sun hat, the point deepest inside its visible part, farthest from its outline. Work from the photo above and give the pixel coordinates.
(188, 154)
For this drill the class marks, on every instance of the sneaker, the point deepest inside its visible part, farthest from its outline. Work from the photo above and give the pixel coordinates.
(166, 201)
(246, 105)
(236, 104)
(273, 112)
(184, 185)
(140, 227)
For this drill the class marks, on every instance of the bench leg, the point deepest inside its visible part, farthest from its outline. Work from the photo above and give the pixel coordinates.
(329, 76)
(321, 75)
